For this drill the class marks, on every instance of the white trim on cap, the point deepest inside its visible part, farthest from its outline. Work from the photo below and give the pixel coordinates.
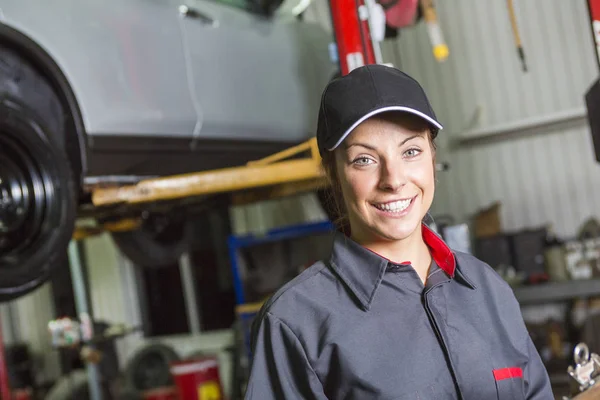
(384, 109)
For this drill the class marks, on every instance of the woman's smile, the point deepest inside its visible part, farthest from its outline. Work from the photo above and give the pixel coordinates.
(395, 208)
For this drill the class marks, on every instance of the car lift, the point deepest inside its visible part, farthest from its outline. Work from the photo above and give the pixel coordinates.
(281, 174)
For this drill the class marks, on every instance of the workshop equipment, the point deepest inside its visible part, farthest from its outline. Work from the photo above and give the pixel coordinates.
(594, 11)
(527, 248)
(592, 96)
(516, 34)
(353, 38)
(4, 381)
(198, 379)
(149, 368)
(84, 313)
(400, 13)
(164, 393)
(278, 169)
(436, 36)
(587, 367)
(592, 103)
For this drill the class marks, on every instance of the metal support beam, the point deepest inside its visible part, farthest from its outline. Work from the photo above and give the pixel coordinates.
(189, 293)
(83, 311)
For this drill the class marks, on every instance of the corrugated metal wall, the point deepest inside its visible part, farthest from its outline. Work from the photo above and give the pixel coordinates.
(113, 290)
(26, 320)
(548, 176)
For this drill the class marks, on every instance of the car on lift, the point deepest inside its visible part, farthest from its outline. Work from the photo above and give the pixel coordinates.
(94, 91)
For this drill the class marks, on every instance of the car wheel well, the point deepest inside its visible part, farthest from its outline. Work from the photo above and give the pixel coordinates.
(39, 59)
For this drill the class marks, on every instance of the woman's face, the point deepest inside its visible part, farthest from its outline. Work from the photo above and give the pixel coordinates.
(386, 172)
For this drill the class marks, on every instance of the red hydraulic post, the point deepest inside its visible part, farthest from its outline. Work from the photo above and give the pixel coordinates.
(594, 7)
(4, 383)
(352, 34)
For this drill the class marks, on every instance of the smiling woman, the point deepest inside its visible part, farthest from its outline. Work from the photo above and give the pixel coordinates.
(383, 177)
(394, 313)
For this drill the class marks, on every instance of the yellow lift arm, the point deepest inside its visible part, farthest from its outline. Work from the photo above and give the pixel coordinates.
(278, 175)
(276, 169)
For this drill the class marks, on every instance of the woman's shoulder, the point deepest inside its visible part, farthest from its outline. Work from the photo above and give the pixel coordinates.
(479, 272)
(294, 299)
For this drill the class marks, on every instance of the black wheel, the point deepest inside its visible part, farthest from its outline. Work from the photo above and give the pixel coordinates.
(159, 242)
(37, 198)
(149, 368)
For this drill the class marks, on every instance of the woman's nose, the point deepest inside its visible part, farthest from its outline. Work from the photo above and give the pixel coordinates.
(393, 177)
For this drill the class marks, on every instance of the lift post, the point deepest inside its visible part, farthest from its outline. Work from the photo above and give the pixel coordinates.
(594, 13)
(355, 45)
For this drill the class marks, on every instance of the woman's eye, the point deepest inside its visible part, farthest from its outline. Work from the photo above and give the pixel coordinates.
(362, 161)
(412, 153)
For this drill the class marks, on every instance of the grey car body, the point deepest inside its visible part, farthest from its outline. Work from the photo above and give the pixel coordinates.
(163, 92)
(106, 92)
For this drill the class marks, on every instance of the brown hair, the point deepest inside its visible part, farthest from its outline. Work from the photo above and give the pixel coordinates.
(334, 200)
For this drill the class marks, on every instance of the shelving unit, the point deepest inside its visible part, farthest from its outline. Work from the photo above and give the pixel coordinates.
(557, 291)
(235, 243)
(246, 311)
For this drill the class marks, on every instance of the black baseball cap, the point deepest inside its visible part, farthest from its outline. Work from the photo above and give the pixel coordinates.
(367, 91)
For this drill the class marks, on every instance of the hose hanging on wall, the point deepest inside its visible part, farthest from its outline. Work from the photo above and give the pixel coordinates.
(436, 37)
(517, 36)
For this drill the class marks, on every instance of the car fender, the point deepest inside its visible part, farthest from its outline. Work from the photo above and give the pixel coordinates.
(76, 141)
(115, 55)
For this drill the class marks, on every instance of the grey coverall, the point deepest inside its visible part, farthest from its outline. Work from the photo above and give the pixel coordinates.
(361, 327)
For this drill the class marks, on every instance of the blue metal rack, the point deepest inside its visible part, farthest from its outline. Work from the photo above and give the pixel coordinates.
(236, 243)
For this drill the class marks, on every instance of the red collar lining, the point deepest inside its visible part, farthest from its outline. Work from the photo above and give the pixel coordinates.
(440, 251)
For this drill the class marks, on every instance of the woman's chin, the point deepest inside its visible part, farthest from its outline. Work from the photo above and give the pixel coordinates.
(397, 231)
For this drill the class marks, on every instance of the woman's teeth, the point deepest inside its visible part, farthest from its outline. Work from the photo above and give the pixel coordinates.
(396, 206)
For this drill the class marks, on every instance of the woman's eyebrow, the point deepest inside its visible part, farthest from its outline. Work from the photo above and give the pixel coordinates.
(367, 146)
(362, 145)
(411, 138)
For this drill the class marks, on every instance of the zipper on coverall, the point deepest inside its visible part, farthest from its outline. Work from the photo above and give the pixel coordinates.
(441, 339)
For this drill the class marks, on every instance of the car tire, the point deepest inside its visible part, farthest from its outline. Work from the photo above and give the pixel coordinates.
(149, 367)
(37, 188)
(158, 243)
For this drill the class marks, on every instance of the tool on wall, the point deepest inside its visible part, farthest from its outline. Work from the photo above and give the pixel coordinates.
(436, 37)
(400, 13)
(586, 371)
(517, 36)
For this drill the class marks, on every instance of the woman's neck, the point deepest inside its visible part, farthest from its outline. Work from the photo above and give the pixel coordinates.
(412, 249)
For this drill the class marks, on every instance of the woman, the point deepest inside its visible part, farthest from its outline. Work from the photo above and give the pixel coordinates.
(394, 313)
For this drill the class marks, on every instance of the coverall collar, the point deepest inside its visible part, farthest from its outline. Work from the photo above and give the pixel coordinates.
(362, 269)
